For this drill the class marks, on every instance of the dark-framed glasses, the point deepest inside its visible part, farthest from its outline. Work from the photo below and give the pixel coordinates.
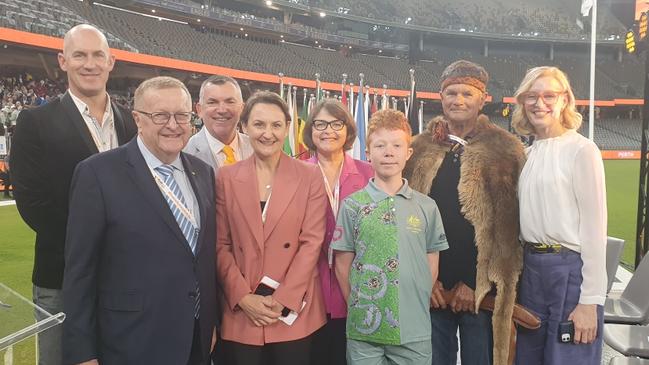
(321, 125)
(549, 97)
(161, 118)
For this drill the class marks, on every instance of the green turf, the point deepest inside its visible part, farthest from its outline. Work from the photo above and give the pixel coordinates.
(16, 260)
(622, 199)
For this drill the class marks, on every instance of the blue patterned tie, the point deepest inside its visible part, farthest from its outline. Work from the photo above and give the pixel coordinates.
(189, 231)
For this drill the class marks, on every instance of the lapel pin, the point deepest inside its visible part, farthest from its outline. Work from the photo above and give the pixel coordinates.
(194, 173)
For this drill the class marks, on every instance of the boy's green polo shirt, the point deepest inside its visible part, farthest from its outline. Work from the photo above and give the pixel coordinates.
(390, 277)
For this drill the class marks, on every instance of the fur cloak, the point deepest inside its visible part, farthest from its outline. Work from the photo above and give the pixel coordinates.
(491, 164)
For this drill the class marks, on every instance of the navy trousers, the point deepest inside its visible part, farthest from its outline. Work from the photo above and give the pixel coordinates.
(550, 287)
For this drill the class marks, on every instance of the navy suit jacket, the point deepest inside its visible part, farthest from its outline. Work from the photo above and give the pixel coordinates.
(130, 276)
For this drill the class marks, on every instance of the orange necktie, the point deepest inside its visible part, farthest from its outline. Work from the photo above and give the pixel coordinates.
(229, 155)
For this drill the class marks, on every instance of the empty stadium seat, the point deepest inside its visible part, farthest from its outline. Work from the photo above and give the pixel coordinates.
(628, 339)
(614, 247)
(628, 361)
(632, 307)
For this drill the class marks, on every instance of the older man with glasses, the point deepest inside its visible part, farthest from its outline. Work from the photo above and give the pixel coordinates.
(140, 277)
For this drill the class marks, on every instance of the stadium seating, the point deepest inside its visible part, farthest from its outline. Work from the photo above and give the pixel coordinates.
(628, 339)
(628, 361)
(514, 17)
(151, 36)
(632, 307)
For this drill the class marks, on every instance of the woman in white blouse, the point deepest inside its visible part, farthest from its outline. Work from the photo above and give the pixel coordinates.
(563, 225)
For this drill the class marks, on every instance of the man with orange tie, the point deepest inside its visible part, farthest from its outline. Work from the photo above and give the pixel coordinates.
(219, 106)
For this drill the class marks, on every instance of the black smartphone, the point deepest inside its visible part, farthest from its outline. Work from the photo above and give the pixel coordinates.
(264, 290)
(566, 332)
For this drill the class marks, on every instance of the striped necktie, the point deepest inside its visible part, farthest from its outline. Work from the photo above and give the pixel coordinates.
(187, 228)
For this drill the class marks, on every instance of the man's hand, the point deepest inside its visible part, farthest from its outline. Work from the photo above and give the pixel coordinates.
(436, 298)
(584, 316)
(463, 298)
(259, 313)
(91, 362)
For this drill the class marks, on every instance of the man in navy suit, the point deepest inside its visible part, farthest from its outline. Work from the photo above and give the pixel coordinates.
(48, 144)
(140, 282)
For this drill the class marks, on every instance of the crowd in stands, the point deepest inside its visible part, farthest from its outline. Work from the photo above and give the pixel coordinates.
(20, 91)
(507, 17)
(24, 91)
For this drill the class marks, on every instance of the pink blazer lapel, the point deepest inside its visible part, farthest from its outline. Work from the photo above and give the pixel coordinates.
(285, 185)
(247, 195)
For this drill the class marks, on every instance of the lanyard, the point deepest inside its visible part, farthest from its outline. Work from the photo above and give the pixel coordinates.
(334, 201)
(333, 195)
(95, 134)
(174, 199)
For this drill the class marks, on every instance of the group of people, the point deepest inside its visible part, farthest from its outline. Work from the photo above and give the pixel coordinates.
(167, 248)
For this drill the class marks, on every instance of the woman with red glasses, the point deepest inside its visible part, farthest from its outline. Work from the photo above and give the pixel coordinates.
(562, 199)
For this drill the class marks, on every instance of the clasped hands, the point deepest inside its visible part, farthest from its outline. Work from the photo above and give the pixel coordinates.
(462, 299)
(261, 310)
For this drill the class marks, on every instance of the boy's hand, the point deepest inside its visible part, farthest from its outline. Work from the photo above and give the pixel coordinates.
(437, 299)
(463, 298)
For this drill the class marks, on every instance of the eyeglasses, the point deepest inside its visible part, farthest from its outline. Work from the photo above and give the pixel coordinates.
(321, 125)
(549, 97)
(161, 118)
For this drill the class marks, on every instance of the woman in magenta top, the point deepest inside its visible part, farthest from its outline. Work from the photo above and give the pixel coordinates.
(329, 132)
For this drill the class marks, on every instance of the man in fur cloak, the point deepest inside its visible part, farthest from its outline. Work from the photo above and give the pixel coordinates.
(471, 168)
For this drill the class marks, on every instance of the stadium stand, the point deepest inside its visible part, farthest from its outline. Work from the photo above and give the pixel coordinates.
(207, 45)
(512, 17)
(201, 44)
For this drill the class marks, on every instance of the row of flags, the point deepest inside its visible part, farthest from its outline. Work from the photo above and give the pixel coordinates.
(362, 104)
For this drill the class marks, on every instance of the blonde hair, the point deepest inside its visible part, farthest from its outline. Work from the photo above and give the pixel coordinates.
(570, 117)
(389, 119)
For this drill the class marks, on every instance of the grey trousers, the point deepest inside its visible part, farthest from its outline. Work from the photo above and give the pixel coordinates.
(49, 341)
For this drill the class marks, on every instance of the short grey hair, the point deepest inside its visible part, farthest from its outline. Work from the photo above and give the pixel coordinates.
(218, 80)
(158, 83)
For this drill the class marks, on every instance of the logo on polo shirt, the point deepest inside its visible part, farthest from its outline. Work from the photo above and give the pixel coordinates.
(414, 224)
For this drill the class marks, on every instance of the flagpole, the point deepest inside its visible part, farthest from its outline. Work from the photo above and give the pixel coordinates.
(351, 99)
(593, 46)
(420, 116)
(317, 86)
(281, 84)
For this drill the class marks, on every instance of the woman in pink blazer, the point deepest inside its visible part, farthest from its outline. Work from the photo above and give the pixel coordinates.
(330, 131)
(270, 227)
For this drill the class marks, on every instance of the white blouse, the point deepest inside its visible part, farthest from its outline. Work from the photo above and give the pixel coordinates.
(562, 197)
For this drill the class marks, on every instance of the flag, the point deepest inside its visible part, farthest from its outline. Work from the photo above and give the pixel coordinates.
(375, 106)
(302, 150)
(585, 6)
(344, 96)
(366, 106)
(359, 143)
(351, 99)
(385, 101)
(289, 142)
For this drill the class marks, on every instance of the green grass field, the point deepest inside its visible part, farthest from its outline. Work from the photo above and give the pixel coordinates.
(622, 199)
(16, 239)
